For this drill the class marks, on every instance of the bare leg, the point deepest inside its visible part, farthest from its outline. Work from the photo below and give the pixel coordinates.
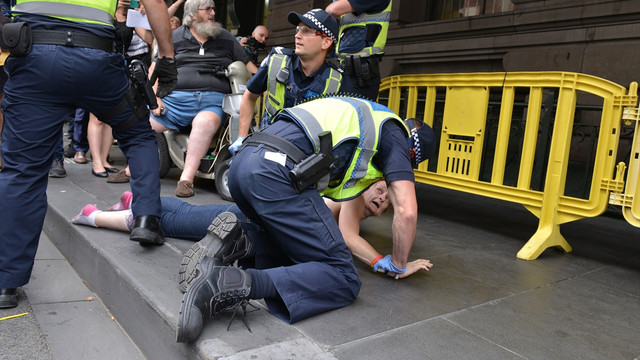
(100, 139)
(107, 142)
(94, 135)
(203, 128)
(90, 215)
(115, 220)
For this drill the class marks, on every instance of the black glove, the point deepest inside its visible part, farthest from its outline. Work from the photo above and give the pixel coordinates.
(167, 75)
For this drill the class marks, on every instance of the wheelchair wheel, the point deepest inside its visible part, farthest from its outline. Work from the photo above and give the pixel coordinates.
(222, 180)
(163, 155)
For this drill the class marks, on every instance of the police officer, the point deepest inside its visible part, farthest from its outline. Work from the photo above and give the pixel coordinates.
(303, 266)
(292, 76)
(363, 34)
(62, 58)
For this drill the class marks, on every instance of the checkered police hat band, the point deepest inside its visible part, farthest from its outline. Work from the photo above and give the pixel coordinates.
(416, 146)
(320, 26)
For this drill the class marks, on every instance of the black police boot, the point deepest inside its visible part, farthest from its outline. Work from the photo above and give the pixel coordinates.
(216, 288)
(8, 298)
(147, 231)
(224, 241)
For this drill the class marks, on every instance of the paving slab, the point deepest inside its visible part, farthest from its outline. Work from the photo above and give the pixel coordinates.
(572, 319)
(22, 337)
(84, 330)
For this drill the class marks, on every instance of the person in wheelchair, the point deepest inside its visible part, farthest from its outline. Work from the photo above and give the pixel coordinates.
(203, 50)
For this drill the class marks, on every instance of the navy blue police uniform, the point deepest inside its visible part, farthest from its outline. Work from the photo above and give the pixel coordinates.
(353, 40)
(300, 245)
(44, 87)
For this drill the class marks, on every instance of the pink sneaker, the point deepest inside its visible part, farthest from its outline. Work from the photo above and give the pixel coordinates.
(84, 217)
(125, 202)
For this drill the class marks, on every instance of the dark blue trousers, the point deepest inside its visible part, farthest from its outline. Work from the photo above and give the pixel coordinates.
(300, 245)
(44, 87)
(80, 125)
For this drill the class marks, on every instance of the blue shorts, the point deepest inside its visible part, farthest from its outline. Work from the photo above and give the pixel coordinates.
(183, 106)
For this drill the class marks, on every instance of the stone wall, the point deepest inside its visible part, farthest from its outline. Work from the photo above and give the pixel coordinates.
(597, 37)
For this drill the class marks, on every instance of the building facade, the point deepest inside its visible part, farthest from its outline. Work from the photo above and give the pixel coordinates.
(597, 37)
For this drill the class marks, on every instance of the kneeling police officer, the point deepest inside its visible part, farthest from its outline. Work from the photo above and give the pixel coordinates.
(333, 146)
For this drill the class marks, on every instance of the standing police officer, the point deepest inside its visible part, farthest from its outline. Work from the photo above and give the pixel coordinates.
(363, 34)
(62, 58)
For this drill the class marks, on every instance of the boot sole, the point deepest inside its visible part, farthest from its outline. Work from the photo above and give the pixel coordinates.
(223, 225)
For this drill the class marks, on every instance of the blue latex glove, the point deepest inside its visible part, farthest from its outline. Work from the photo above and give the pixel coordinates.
(236, 145)
(384, 265)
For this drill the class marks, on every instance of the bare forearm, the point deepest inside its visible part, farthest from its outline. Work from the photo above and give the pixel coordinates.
(252, 68)
(145, 35)
(246, 112)
(405, 217)
(159, 21)
(403, 229)
(339, 7)
(361, 249)
(174, 7)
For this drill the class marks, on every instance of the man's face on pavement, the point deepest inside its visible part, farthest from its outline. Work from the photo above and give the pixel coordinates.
(376, 199)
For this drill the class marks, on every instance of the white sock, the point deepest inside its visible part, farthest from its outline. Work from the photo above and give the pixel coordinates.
(87, 216)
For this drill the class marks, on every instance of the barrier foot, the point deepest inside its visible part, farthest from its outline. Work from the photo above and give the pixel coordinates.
(546, 237)
(630, 217)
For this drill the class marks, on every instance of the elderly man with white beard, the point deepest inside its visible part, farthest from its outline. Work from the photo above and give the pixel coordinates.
(202, 46)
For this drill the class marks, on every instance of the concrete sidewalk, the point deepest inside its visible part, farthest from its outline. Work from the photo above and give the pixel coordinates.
(478, 302)
(62, 318)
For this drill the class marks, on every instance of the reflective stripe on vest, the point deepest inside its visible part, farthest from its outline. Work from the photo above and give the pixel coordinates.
(78, 10)
(332, 85)
(337, 115)
(276, 89)
(275, 96)
(382, 18)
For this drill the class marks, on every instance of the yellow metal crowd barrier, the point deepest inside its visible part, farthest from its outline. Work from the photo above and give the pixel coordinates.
(463, 132)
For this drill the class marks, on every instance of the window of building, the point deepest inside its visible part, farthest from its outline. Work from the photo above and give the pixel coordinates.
(451, 9)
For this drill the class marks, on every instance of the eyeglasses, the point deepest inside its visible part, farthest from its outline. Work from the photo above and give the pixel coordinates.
(208, 9)
(307, 31)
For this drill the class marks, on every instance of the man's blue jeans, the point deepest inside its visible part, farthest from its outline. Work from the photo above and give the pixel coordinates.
(182, 220)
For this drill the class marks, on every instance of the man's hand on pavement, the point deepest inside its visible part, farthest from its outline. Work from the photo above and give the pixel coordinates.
(415, 266)
(385, 264)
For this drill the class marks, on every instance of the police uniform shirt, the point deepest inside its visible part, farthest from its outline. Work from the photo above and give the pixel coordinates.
(353, 40)
(195, 62)
(368, 6)
(259, 82)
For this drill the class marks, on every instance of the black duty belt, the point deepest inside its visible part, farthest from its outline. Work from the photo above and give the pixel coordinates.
(70, 38)
(275, 143)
